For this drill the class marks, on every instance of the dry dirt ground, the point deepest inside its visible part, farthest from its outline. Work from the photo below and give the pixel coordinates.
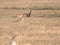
(34, 30)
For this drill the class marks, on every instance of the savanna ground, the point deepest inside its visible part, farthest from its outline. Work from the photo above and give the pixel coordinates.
(36, 30)
(41, 28)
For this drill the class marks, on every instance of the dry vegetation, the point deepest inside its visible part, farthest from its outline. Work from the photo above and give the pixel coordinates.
(42, 28)
(35, 30)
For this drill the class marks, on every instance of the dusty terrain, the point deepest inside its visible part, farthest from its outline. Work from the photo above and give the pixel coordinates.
(35, 30)
(41, 28)
(33, 4)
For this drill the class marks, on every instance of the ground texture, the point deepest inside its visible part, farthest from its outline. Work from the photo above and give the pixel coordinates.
(41, 28)
(34, 30)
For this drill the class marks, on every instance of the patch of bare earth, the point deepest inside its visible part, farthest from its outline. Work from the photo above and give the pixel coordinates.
(34, 30)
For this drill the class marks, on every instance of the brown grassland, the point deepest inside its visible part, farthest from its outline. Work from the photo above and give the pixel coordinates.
(41, 28)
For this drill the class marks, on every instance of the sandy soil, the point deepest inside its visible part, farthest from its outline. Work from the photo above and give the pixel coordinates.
(34, 30)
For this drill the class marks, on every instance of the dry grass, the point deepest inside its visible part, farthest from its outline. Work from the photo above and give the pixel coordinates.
(42, 28)
(36, 29)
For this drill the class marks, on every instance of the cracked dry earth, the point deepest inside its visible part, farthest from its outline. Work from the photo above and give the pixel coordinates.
(34, 31)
